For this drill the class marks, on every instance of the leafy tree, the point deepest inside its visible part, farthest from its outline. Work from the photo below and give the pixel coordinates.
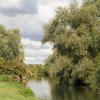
(75, 35)
(11, 53)
(10, 44)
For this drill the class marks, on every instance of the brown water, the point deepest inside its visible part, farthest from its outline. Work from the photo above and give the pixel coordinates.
(48, 90)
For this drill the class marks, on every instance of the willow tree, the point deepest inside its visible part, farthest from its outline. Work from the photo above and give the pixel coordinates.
(11, 52)
(75, 34)
(10, 44)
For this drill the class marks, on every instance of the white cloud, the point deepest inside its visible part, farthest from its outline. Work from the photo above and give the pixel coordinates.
(54, 2)
(36, 60)
(35, 51)
(26, 42)
(9, 3)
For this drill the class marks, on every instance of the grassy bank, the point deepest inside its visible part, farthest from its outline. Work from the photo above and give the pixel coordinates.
(14, 91)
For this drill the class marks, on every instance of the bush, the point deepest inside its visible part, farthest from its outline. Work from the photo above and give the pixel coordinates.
(5, 78)
(15, 68)
(36, 71)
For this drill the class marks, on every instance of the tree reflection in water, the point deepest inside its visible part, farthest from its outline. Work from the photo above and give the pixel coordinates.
(50, 90)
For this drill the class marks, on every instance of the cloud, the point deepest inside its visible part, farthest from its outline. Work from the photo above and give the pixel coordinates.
(18, 7)
(35, 52)
(36, 60)
(54, 2)
(28, 25)
(31, 26)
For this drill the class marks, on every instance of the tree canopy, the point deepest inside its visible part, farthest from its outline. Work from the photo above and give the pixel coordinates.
(10, 44)
(75, 34)
(11, 53)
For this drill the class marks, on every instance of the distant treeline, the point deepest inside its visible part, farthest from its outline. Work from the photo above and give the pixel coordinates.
(37, 71)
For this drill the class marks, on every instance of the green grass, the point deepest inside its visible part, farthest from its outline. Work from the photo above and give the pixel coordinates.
(5, 78)
(14, 91)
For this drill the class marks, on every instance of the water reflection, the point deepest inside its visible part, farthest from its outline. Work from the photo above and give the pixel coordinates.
(41, 89)
(50, 90)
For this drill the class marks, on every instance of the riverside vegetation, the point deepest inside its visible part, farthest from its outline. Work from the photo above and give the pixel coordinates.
(12, 69)
(74, 33)
(12, 90)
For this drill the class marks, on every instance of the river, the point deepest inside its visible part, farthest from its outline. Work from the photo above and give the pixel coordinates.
(45, 89)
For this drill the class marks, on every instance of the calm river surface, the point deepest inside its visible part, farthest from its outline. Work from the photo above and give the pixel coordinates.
(48, 90)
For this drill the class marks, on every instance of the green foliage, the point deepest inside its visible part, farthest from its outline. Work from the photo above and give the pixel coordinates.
(97, 60)
(10, 44)
(17, 69)
(36, 71)
(11, 53)
(75, 35)
(5, 78)
(2, 61)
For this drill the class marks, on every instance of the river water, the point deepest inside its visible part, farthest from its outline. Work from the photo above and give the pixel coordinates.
(45, 89)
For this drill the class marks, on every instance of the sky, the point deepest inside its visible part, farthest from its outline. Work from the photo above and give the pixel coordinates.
(29, 16)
